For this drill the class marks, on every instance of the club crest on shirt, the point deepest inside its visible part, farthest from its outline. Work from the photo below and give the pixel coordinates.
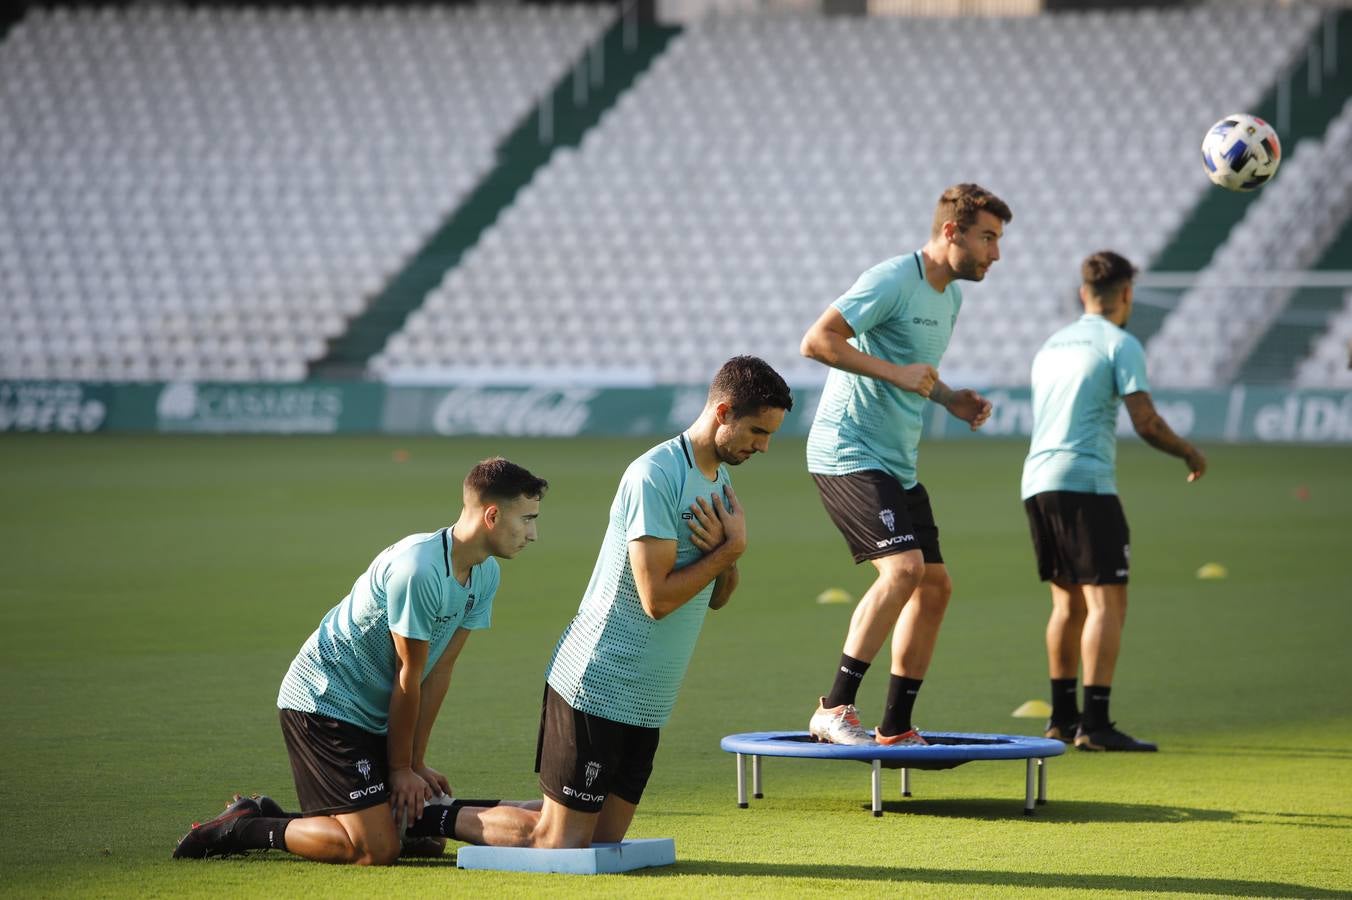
(888, 519)
(469, 604)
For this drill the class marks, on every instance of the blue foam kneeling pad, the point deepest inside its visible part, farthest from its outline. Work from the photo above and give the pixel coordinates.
(598, 859)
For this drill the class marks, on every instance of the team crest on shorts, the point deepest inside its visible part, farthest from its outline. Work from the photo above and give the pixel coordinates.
(593, 769)
(888, 519)
(364, 767)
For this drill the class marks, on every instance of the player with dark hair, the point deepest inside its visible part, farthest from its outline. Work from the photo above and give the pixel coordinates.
(358, 703)
(669, 556)
(883, 340)
(1080, 537)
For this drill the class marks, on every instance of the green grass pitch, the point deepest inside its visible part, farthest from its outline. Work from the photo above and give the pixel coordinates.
(155, 590)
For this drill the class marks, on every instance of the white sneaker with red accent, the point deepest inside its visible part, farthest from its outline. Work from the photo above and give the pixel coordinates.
(837, 725)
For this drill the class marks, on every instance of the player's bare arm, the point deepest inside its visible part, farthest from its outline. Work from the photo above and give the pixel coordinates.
(663, 588)
(434, 688)
(408, 791)
(724, 585)
(1152, 428)
(827, 342)
(965, 404)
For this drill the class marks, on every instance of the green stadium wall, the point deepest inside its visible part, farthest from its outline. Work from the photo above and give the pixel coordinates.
(1237, 414)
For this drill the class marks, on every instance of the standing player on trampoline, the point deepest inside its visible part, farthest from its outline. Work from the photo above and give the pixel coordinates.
(883, 340)
(1080, 376)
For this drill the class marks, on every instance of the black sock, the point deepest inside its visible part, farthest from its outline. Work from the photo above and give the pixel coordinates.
(438, 819)
(1095, 707)
(1064, 707)
(849, 674)
(261, 834)
(901, 693)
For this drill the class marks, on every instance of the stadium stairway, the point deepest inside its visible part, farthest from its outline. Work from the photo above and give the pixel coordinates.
(578, 100)
(1315, 89)
(1274, 359)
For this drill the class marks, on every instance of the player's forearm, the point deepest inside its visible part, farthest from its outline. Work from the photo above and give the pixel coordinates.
(682, 584)
(405, 699)
(724, 585)
(431, 695)
(941, 394)
(1157, 433)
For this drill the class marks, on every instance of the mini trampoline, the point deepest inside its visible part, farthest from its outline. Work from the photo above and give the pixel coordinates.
(944, 751)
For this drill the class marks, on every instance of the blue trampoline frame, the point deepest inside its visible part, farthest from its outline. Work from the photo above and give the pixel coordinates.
(945, 751)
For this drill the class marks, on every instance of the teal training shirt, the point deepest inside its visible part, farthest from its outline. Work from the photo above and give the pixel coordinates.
(613, 660)
(1080, 376)
(862, 423)
(345, 670)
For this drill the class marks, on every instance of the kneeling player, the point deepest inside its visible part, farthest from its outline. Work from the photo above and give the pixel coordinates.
(669, 556)
(358, 703)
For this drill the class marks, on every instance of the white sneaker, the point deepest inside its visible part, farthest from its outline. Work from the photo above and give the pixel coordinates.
(837, 725)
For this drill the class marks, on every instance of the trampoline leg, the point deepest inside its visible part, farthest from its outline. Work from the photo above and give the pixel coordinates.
(741, 782)
(1041, 782)
(1028, 793)
(905, 782)
(756, 778)
(877, 788)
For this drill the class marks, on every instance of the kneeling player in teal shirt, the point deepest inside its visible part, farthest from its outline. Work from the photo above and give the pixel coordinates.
(358, 703)
(1080, 537)
(668, 557)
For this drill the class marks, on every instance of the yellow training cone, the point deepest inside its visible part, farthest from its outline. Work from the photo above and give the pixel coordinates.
(1033, 709)
(834, 595)
(1212, 571)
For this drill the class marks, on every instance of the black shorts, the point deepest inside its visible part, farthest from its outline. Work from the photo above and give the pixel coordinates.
(582, 759)
(337, 767)
(878, 516)
(1079, 538)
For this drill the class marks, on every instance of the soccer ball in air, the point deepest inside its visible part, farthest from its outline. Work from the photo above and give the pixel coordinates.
(1241, 152)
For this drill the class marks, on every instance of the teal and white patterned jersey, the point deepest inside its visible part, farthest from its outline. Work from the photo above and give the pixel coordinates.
(345, 670)
(613, 660)
(862, 423)
(1080, 376)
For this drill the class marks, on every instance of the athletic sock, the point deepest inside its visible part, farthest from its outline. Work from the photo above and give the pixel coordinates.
(1096, 707)
(848, 676)
(901, 693)
(261, 834)
(438, 819)
(1064, 706)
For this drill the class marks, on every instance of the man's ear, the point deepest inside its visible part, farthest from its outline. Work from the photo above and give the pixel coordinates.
(491, 515)
(723, 412)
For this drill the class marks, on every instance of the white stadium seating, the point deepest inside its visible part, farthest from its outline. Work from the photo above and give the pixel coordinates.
(763, 162)
(192, 192)
(197, 192)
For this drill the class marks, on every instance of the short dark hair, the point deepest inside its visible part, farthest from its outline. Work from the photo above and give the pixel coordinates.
(961, 203)
(749, 385)
(1105, 273)
(499, 479)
